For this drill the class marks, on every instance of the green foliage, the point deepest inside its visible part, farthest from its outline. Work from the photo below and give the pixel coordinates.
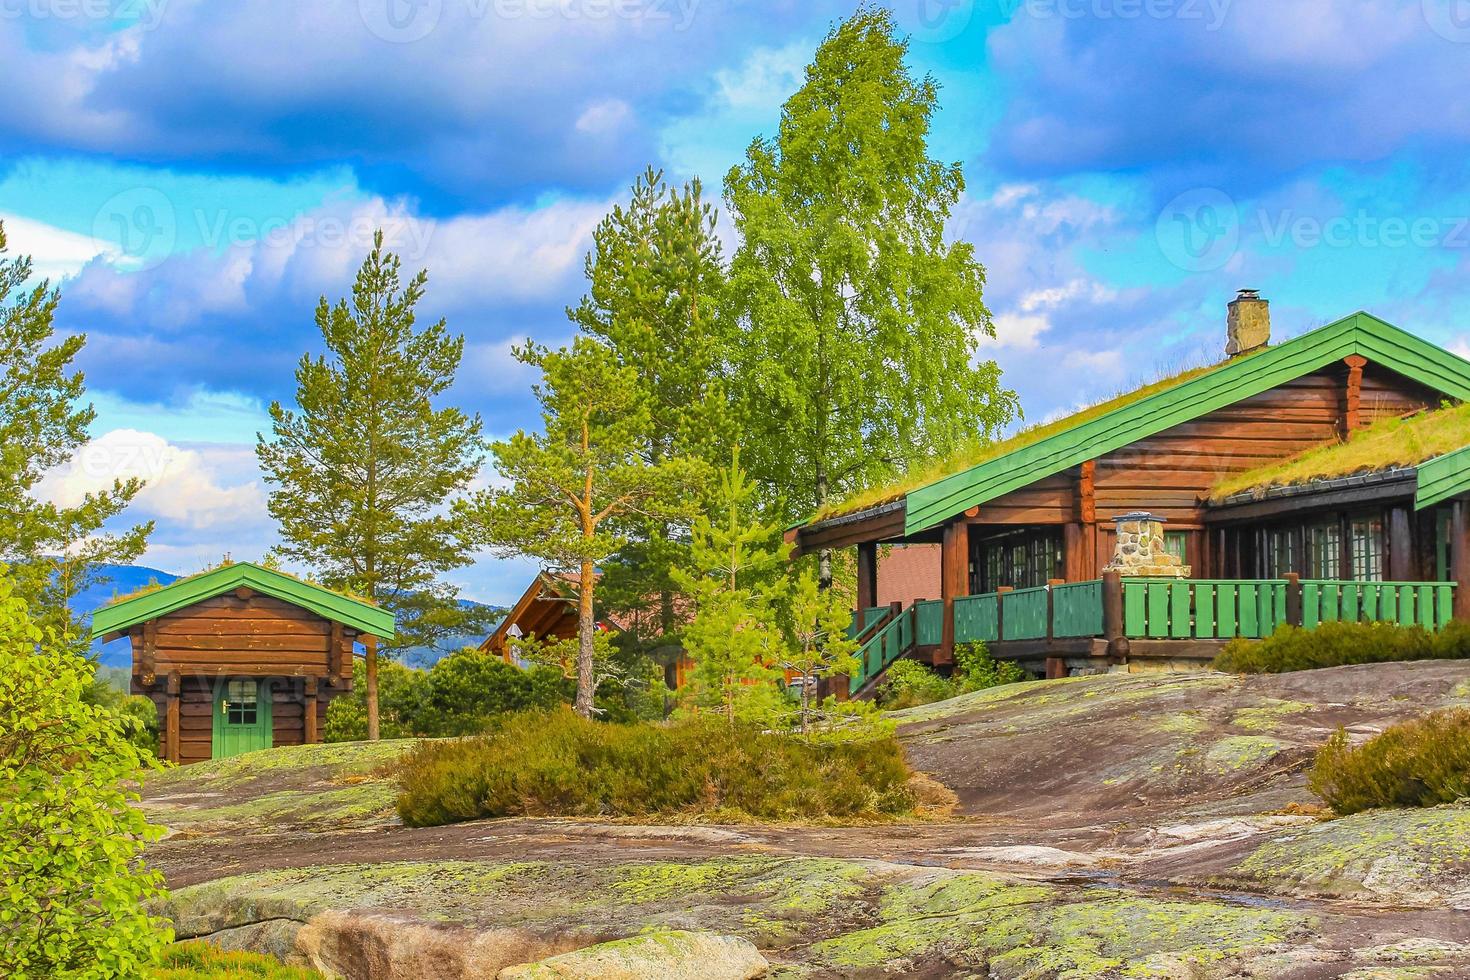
(462, 694)
(859, 316)
(73, 890)
(558, 764)
(976, 670)
(135, 715)
(578, 488)
(361, 472)
(53, 549)
(815, 624)
(908, 683)
(203, 961)
(1335, 644)
(1424, 762)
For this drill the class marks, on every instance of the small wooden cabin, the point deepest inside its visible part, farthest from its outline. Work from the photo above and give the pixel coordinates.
(1033, 534)
(240, 657)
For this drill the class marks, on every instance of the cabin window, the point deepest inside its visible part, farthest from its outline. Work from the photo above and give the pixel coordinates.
(1176, 543)
(1022, 560)
(241, 704)
(1324, 550)
(1281, 555)
(1443, 532)
(1366, 539)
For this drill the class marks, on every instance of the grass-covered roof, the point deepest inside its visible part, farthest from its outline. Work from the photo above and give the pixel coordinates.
(1387, 443)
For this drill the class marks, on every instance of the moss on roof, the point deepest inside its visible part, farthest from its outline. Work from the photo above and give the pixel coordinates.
(1386, 443)
(976, 452)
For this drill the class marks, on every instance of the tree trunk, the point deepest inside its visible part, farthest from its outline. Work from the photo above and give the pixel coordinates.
(371, 645)
(824, 557)
(586, 632)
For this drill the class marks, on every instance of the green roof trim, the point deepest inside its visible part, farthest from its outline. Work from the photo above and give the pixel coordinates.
(359, 615)
(1360, 333)
(1443, 477)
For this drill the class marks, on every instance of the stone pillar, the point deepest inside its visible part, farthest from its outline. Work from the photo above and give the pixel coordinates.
(1139, 550)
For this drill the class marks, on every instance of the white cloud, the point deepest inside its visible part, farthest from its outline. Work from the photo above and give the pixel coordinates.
(604, 116)
(55, 253)
(181, 486)
(1017, 332)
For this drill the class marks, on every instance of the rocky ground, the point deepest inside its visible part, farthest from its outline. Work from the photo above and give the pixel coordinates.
(1128, 825)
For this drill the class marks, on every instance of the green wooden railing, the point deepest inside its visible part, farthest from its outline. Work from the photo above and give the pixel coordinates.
(977, 618)
(1183, 609)
(1023, 614)
(1426, 604)
(885, 646)
(929, 622)
(1077, 609)
(863, 618)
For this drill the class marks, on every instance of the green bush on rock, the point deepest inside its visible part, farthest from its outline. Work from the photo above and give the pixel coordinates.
(558, 764)
(73, 891)
(1338, 644)
(908, 683)
(1424, 762)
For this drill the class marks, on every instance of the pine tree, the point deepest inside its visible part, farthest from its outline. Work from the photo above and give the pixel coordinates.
(654, 279)
(53, 550)
(362, 470)
(578, 487)
(860, 320)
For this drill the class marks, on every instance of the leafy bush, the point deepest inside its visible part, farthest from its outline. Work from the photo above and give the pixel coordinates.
(73, 891)
(203, 961)
(1423, 762)
(555, 763)
(1335, 644)
(909, 683)
(137, 715)
(462, 694)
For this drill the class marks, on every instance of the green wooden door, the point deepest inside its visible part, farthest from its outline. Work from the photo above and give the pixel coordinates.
(242, 718)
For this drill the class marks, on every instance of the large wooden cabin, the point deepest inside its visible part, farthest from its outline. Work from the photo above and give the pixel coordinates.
(241, 657)
(1028, 529)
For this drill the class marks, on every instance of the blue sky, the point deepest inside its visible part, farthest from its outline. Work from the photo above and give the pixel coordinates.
(195, 174)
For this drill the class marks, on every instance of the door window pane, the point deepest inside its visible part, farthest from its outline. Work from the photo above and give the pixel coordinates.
(1280, 552)
(1367, 545)
(1324, 550)
(241, 703)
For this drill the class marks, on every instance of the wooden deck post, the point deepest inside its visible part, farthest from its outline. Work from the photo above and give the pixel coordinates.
(1460, 556)
(1400, 545)
(1293, 598)
(1000, 610)
(171, 719)
(954, 581)
(1112, 599)
(312, 699)
(1051, 608)
(867, 575)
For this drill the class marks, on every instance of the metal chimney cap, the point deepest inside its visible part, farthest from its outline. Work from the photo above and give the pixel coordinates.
(1140, 515)
(1247, 294)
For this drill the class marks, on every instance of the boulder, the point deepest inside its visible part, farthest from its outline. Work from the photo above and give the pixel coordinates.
(389, 947)
(667, 955)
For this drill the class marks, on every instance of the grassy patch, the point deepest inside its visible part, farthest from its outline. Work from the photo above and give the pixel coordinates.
(557, 764)
(1387, 442)
(202, 961)
(1424, 762)
(1337, 644)
(343, 761)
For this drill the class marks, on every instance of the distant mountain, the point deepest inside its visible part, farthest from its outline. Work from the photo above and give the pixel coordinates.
(122, 579)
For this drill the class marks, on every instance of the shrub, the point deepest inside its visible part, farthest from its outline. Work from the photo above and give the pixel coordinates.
(462, 694)
(203, 961)
(73, 891)
(555, 763)
(976, 669)
(1336, 644)
(1423, 762)
(908, 683)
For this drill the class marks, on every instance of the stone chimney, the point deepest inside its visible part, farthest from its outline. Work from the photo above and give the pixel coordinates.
(1140, 549)
(1248, 323)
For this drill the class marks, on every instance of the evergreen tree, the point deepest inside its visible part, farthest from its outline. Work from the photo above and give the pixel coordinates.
(362, 470)
(577, 488)
(654, 279)
(860, 320)
(53, 550)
